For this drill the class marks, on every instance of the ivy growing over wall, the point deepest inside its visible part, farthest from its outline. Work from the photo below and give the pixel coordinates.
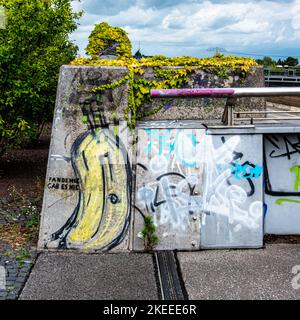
(106, 39)
(168, 72)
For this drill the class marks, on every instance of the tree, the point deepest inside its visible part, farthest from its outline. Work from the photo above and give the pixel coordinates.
(33, 46)
(266, 62)
(292, 62)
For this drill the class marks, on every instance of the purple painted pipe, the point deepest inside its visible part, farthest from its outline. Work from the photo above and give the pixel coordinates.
(226, 92)
(192, 92)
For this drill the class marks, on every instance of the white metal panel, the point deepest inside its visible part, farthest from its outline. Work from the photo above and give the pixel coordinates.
(233, 197)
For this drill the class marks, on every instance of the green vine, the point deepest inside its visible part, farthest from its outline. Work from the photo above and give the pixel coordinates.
(105, 36)
(139, 89)
(168, 72)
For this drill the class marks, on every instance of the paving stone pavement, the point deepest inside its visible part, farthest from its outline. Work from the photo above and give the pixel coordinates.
(13, 272)
(15, 263)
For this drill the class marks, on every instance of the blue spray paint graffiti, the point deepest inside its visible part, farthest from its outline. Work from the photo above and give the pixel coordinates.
(246, 170)
(167, 143)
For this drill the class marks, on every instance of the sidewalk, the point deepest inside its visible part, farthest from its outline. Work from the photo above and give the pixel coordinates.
(215, 274)
(92, 277)
(261, 274)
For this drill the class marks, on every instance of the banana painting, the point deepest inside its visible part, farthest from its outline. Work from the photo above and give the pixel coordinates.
(102, 215)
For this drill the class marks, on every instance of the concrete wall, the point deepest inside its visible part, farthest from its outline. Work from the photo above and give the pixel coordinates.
(203, 191)
(207, 109)
(87, 198)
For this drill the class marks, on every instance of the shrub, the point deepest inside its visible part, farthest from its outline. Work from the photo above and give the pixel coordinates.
(105, 38)
(33, 46)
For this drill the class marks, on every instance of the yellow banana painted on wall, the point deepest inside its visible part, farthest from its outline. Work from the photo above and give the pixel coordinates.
(101, 218)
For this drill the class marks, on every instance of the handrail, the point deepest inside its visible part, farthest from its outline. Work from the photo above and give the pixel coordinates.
(225, 92)
(230, 93)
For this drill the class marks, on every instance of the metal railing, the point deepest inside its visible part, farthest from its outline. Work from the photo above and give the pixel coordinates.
(229, 115)
(282, 77)
(284, 72)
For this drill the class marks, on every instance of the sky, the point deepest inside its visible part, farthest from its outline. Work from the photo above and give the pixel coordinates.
(195, 27)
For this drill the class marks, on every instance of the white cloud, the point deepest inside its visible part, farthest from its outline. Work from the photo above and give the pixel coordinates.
(135, 16)
(296, 15)
(190, 27)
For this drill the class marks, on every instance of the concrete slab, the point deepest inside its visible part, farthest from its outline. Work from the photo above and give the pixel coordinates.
(91, 277)
(242, 274)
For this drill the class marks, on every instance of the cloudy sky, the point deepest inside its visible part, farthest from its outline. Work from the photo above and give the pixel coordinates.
(191, 27)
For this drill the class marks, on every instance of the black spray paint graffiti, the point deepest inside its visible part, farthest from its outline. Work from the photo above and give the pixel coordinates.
(63, 183)
(209, 186)
(174, 194)
(100, 162)
(290, 147)
(169, 161)
(246, 170)
(283, 148)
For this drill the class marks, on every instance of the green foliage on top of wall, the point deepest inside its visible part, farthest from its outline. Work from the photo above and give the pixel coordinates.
(218, 64)
(168, 72)
(105, 37)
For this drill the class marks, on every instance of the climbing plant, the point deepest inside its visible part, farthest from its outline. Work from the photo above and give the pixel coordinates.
(168, 72)
(105, 39)
(164, 76)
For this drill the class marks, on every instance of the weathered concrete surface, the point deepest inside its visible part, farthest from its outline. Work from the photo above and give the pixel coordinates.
(207, 108)
(75, 90)
(76, 83)
(242, 274)
(81, 118)
(89, 184)
(91, 277)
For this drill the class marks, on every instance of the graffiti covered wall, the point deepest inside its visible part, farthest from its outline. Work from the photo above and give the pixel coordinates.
(201, 190)
(233, 196)
(87, 199)
(169, 185)
(282, 183)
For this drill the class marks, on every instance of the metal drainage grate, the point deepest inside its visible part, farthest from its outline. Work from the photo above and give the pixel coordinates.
(172, 287)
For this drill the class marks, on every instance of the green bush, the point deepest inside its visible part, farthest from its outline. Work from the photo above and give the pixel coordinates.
(33, 46)
(105, 36)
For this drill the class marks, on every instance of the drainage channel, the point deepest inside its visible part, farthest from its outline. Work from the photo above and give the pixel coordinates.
(171, 283)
